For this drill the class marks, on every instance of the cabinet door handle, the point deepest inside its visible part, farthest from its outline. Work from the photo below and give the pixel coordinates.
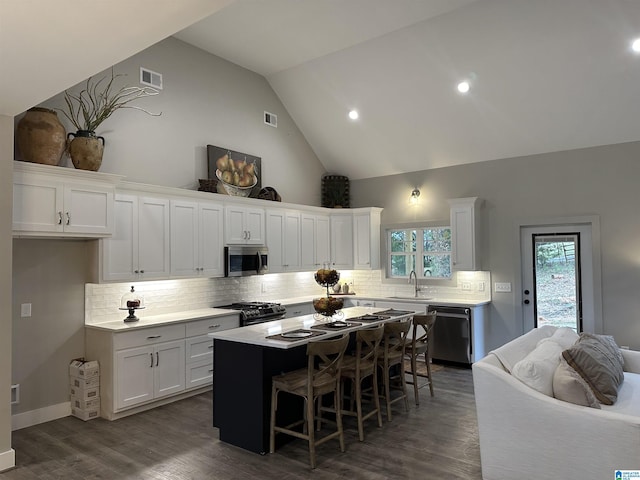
(211, 370)
(210, 346)
(157, 358)
(141, 271)
(249, 233)
(153, 337)
(136, 271)
(68, 218)
(211, 327)
(59, 218)
(151, 355)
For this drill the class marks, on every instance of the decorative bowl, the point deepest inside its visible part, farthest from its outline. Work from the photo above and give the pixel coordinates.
(234, 190)
(327, 306)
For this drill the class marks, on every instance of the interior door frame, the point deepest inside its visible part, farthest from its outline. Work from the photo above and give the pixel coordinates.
(593, 325)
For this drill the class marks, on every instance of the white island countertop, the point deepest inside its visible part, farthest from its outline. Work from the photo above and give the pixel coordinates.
(446, 301)
(257, 334)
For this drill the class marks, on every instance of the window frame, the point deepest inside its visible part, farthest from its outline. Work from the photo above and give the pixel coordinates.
(443, 281)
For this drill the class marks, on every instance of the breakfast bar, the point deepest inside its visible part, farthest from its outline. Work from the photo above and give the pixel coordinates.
(245, 360)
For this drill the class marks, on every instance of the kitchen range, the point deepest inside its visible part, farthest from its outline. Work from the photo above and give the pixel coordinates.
(257, 312)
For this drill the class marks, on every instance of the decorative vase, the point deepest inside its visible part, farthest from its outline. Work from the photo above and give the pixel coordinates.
(85, 150)
(40, 136)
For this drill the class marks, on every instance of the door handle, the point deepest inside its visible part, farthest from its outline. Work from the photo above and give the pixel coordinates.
(59, 218)
(68, 218)
(151, 355)
(157, 358)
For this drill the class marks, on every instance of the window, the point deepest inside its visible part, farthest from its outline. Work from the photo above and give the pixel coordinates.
(425, 250)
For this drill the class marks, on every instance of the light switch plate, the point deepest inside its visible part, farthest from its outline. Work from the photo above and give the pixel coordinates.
(25, 310)
(504, 287)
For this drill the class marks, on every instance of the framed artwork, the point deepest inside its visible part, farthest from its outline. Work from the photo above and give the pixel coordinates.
(335, 191)
(236, 173)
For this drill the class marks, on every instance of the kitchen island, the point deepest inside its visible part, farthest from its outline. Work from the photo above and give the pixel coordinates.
(245, 360)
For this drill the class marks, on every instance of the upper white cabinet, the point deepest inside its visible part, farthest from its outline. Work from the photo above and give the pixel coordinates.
(342, 241)
(366, 239)
(465, 233)
(244, 225)
(283, 240)
(139, 247)
(196, 239)
(315, 241)
(58, 201)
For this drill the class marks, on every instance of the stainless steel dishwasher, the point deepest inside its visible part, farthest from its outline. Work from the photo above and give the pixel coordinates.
(452, 334)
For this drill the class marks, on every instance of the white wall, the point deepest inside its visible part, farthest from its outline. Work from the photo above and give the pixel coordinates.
(205, 100)
(600, 181)
(7, 457)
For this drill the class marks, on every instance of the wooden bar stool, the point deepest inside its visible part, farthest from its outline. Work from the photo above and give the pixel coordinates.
(321, 376)
(394, 341)
(360, 367)
(419, 345)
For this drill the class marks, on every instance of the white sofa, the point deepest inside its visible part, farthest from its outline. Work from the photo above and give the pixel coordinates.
(527, 434)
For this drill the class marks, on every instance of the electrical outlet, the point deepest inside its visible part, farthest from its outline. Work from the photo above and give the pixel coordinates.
(25, 310)
(504, 287)
(264, 287)
(466, 285)
(481, 286)
(15, 394)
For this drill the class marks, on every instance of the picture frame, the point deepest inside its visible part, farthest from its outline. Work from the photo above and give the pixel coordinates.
(220, 156)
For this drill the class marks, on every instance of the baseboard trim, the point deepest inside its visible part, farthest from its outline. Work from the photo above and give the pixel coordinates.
(7, 460)
(40, 415)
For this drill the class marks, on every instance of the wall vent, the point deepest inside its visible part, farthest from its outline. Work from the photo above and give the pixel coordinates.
(271, 119)
(15, 394)
(150, 78)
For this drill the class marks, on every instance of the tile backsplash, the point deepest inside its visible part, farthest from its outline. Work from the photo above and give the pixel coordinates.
(102, 301)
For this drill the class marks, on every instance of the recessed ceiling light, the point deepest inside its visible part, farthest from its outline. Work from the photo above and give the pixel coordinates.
(463, 87)
(635, 45)
(353, 114)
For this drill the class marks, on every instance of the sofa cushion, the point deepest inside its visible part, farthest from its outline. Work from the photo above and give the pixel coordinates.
(628, 395)
(537, 368)
(569, 386)
(599, 362)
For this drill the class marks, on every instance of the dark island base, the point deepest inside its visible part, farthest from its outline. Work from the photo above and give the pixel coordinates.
(242, 392)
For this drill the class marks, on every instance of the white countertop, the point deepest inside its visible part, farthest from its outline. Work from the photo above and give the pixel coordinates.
(256, 334)
(449, 302)
(156, 320)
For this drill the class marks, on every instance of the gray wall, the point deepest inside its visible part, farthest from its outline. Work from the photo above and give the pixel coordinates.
(49, 274)
(6, 187)
(600, 181)
(205, 100)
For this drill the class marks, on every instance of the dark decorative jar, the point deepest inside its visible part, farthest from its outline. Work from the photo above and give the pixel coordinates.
(85, 150)
(40, 136)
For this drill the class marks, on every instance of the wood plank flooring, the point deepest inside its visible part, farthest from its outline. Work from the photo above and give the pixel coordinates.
(437, 439)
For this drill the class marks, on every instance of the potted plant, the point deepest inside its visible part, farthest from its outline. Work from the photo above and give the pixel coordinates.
(86, 110)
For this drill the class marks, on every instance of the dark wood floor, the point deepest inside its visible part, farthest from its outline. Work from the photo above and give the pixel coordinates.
(438, 439)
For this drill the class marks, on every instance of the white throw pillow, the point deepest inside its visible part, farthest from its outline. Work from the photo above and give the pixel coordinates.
(565, 336)
(537, 368)
(569, 386)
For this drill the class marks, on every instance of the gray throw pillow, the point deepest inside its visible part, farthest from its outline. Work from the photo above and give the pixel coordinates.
(598, 360)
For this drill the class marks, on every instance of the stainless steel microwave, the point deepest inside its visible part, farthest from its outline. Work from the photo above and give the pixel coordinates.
(240, 261)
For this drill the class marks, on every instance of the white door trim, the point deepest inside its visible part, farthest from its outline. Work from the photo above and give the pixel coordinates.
(594, 221)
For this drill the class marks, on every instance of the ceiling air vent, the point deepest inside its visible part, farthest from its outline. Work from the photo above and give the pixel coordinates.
(150, 78)
(271, 119)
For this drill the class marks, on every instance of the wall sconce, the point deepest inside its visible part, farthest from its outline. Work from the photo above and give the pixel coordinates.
(414, 196)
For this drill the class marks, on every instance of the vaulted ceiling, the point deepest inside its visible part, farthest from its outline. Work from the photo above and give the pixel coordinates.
(545, 75)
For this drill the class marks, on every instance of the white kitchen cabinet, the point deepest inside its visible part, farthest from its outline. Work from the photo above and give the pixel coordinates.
(299, 309)
(46, 203)
(283, 240)
(196, 239)
(342, 241)
(465, 233)
(199, 348)
(139, 247)
(315, 241)
(366, 239)
(244, 225)
(141, 368)
(149, 373)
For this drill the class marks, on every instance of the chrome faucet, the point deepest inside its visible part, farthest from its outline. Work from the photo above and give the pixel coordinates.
(415, 276)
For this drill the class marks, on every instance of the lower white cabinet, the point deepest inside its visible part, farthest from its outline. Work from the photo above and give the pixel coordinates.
(141, 368)
(149, 373)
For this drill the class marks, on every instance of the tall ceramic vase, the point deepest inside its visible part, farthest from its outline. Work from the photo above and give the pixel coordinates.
(40, 136)
(85, 150)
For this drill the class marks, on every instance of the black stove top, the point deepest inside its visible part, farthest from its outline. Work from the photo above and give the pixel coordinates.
(257, 312)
